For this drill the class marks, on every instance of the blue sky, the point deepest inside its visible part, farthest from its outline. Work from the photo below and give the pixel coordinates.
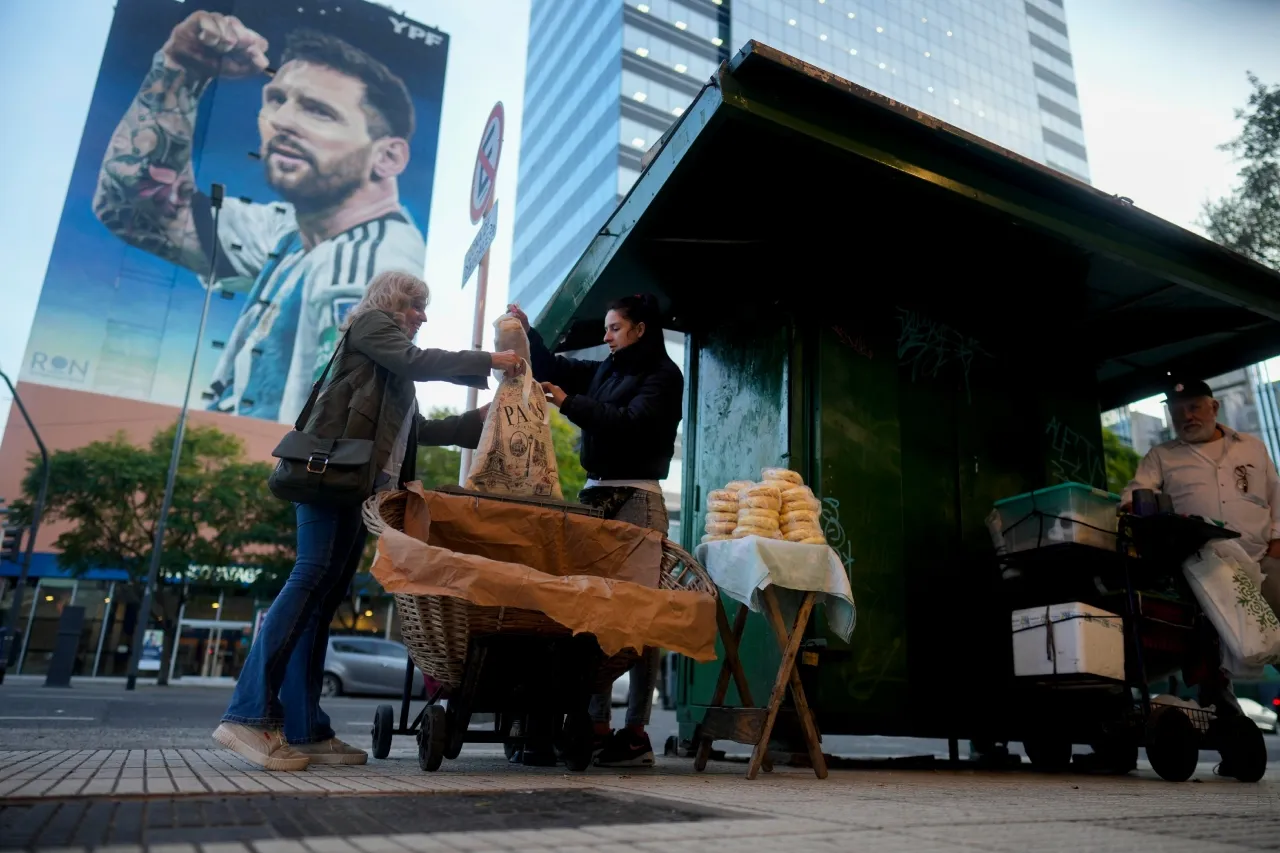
(1158, 82)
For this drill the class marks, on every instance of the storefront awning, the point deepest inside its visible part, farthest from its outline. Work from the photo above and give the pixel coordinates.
(781, 166)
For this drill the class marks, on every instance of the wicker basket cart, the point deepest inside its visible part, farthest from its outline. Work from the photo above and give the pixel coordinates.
(529, 671)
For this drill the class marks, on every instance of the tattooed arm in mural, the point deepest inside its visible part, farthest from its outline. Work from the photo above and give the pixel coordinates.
(146, 191)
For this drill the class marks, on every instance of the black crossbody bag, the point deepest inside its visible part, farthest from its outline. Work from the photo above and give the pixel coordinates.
(326, 471)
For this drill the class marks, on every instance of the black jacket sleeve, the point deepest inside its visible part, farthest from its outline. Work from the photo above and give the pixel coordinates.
(377, 336)
(455, 431)
(571, 374)
(657, 401)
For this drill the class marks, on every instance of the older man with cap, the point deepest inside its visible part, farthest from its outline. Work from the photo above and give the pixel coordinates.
(1210, 470)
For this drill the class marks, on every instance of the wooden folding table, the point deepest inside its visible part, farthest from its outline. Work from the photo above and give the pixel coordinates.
(754, 725)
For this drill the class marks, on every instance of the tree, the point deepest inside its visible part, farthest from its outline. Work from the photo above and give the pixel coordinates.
(567, 439)
(222, 514)
(1122, 461)
(1248, 219)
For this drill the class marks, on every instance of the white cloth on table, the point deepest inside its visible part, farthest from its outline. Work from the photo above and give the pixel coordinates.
(741, 568)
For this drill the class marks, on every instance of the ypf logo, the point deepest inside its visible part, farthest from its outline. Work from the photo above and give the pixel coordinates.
(59, 367)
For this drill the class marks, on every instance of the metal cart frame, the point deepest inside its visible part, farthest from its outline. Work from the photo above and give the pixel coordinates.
(1153, 548)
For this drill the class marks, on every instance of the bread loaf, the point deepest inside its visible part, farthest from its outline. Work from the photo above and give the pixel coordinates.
(801, 506)
(799, 517)
(743, 532)
(720, 528)
(723, 506)
(759, 502)
(759, 518)
(782, 474)
(800, 534)
(760, 490)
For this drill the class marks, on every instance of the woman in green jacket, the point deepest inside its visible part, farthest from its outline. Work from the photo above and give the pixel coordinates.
(274, 719)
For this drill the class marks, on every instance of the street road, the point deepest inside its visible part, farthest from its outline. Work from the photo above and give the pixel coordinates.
(103, 715)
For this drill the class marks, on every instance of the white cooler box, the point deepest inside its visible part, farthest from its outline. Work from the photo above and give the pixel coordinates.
(1084, 641)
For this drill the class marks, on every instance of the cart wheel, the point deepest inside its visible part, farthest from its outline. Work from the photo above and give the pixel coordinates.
(671, 748)
(383, 727)
(431, 739)
(1244, 752)
(457, 735)
(578, 744)
(1173, 746)
(1049, 755)
(510, 746)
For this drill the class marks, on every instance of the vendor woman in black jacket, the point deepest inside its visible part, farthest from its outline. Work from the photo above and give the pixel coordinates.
(628, 407)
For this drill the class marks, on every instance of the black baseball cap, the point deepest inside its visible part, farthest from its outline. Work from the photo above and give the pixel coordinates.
(1189, 390)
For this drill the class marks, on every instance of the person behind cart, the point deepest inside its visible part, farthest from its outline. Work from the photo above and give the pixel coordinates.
(628, 408)
(274, 719)
(1211, 470)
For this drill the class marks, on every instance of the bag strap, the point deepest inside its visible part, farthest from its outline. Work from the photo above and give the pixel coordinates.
(305, 414)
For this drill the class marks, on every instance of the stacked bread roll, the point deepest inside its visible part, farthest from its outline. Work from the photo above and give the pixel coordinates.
(722, 512)
(800, 515)
(759, 511)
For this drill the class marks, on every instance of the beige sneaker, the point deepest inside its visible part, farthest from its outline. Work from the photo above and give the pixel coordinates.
(263, 747)
(331, 751)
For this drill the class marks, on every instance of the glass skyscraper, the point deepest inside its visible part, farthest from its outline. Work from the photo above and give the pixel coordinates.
(605, 79)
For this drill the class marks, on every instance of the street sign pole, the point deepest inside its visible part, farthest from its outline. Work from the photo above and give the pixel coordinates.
(484, 212)
(33, 530)
(157, 546)
(477, 343)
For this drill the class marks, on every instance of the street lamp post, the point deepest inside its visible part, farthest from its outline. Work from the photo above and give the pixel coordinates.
(37, 510)
(157, 546)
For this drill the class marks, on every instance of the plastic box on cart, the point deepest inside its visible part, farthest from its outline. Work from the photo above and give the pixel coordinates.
(1070, 512)
(1068, 639)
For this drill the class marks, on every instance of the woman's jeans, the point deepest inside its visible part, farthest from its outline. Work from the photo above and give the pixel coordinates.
(280, 682)
(643, 509)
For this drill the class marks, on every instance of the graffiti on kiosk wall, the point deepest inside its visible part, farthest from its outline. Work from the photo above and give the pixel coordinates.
(833, 530)
(853, 341)
(932, 349)
(1073, 458)
(321, 121)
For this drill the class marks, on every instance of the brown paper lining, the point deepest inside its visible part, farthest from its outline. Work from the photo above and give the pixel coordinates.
(621, 613)
(547, 540)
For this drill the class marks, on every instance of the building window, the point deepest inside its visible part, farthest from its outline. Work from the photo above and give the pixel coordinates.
(642, 90)
(679, 16)
(651, 47)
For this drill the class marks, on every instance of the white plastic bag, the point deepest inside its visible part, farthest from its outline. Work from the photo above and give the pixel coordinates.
(509, 335)
(1227, 585)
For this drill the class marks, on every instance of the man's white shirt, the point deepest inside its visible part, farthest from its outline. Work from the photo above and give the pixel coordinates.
(295, 300)
(1232, 480)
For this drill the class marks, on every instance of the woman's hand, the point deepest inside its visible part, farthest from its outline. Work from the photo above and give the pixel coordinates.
(555, 394)
(514, 310)
(507, 361)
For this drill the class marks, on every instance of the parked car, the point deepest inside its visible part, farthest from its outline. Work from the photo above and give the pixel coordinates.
(368, 666)
(622, 685)
(1263, 716)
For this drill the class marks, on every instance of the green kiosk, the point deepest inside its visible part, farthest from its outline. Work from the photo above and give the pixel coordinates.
(919, 322)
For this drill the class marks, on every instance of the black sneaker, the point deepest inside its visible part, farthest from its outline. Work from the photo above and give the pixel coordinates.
(626, 749)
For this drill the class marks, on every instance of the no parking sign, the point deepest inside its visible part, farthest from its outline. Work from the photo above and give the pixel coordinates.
(484, 177)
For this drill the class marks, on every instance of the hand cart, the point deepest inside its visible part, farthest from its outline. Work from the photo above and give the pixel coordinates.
(526, 669)
(1164, 630)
